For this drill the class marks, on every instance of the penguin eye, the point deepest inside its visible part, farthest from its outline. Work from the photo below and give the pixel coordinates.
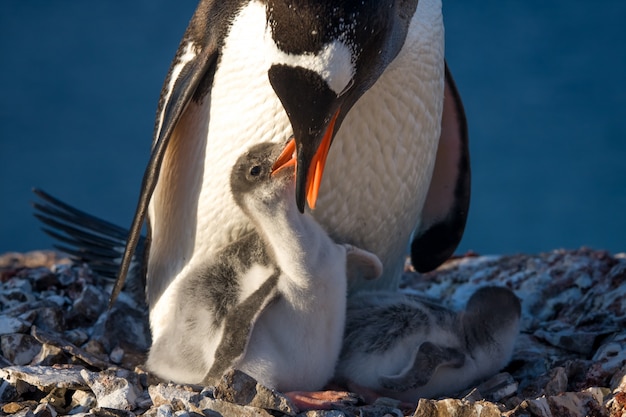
(255, 171)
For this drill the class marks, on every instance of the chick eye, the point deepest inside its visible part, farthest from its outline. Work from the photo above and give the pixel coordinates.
(255, 171)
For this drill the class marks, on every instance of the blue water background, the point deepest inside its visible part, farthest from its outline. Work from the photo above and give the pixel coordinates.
(544, 86)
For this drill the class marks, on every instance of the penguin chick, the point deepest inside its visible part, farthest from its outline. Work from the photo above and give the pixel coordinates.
(273, 303)
(406, 347)
(296, 341)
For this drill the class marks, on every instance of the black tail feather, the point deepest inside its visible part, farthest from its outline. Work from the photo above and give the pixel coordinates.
(89, 239)
(64, 211)
(93, 252)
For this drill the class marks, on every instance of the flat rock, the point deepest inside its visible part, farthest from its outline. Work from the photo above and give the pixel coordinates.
(44, 378)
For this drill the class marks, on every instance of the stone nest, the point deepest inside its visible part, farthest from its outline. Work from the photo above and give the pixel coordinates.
(65, 353)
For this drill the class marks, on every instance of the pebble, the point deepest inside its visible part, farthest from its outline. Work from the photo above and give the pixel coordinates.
(49, 355)
(452, 407)
(91, 303)
(50, 319)
(19, 348)
(13, 325)
(239, 388)
(118, 389)
(116, 355)
(496, 388)
(82, 401)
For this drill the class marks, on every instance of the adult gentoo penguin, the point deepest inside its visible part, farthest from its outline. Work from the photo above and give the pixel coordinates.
(367, 77)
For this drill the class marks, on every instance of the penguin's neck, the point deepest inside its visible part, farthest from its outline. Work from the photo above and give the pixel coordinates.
(301, 248)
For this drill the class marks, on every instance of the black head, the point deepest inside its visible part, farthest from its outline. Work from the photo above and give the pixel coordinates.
(493, 307)
(351, 43)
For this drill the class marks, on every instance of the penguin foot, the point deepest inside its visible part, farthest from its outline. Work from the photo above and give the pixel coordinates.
(322, 400)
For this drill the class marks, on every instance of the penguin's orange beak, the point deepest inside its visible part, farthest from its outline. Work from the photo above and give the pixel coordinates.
(288, 158)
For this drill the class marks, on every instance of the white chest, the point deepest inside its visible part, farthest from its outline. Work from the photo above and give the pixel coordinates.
(381, 162)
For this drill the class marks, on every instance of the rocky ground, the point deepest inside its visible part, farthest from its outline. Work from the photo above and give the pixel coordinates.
(64, 353)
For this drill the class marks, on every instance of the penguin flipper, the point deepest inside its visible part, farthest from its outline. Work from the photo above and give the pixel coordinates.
(238, 325)
(447, 202)
(427, 359)
(361, 264)
(190, 77)
(87, 238)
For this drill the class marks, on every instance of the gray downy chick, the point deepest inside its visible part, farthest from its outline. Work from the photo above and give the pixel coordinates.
(406, 347)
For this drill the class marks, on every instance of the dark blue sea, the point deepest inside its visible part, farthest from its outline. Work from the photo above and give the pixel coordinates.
(544, 86)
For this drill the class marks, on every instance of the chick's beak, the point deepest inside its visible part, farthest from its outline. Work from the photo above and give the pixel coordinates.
(286, 159)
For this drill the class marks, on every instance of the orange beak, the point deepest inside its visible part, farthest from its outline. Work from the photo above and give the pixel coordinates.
(316, 170)
(287, 158)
